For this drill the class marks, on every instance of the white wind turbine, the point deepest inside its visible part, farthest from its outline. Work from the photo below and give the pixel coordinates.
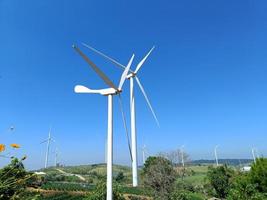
(254, 154)
(182, 155)
(216, 155)
(131, 76)
(144, 154)
(48, 140)
(109, 92)
(56, 156)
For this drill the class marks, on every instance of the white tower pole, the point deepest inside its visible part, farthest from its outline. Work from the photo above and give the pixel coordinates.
(110, 147)
(182, 155)
(47, 148)
(133, 134)
(56, 156)
(216, 156)
(144, 156)
(253, 154)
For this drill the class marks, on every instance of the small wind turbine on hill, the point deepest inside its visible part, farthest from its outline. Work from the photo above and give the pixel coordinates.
(216, 155)
(131, 76)
(56, 156)
(254, 154)
(144, 154)
(109, 92)
(48, 140)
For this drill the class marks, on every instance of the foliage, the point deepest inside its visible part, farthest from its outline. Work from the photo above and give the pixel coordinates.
(220, 179)
(63, 196)
(185, 195)
(258, 174)
(64, 186)
(160, 176)
(120, 177)
(242, 188)
(100, 192)
(13, 180)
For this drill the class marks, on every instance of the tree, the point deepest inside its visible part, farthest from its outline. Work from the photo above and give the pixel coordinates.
(220, 179)
(160, 176)
(100, 192)
(258, 174)
(120, 177)
(242, 188)
(13, 180)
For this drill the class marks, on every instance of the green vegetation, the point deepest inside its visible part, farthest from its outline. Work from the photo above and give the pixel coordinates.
(159, 179)
(14, 179)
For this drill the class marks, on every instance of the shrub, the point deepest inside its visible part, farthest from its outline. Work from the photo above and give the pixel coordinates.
(258, 174)
(185, 195)
(160, 176)
(241, 188)
(220, 179)
(100, 192)
(13, 180)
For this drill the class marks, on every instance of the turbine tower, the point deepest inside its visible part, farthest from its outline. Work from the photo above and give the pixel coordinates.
(255, 156)
(56, 156)
(216, 156)
(144, 152)
(109, 92)
(131, 76)
(48, 140)
(182, 155)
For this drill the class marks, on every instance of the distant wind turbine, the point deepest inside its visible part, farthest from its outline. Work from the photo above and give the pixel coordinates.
(109, 92)
(216, 155)
(131, 76)
(144, 154)
(182, 155)
(48, 140)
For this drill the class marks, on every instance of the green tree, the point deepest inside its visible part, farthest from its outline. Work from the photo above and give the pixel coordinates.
(160, 176)
(100, 192)
(258, 174)
(242, 188)
(13, 180)
(220, 179)
(120, 177)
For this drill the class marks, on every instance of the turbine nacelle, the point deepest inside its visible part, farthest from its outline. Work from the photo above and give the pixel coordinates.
(104, 92)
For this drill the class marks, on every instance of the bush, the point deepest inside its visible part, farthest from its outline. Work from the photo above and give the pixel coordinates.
(100, 192)
(160, 176)
(185, 195)
(258, 174)
(120, 177)
(242, 188)
(13, 180)
(220, 179)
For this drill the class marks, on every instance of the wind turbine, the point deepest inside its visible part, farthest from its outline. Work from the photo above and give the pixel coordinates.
(182, 155)
(144, 152)
(56, 156)
(48, 140)
(131, 76)
(109, 92)
(254, 154)
(216, 156)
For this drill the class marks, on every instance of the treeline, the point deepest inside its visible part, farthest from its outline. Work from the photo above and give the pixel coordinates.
(232, 162)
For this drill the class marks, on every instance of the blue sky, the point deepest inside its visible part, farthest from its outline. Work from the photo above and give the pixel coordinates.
(206, 77)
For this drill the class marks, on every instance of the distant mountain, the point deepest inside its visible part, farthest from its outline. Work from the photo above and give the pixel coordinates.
(234, 162)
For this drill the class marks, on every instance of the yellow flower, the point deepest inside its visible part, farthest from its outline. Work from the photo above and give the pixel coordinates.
(2, 147)
(16, 146)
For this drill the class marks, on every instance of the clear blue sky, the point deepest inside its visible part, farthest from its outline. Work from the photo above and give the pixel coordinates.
(206, 78)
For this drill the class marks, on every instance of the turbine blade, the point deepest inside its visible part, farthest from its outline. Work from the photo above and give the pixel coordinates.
(125, 73)
(95, 68)
(143, 60)
(105, 56)
(125, 126)
(147, 100)
(44, 141)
